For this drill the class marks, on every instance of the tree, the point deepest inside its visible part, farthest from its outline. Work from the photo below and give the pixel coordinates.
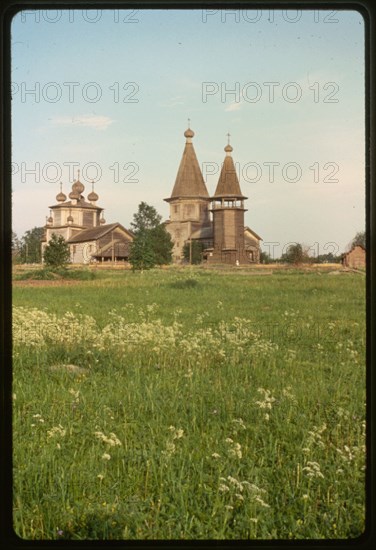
(329, 258)
(146, 218)
(265, 258)
(56, 254)
(151, 239)
(197, 248)
(360, 238)
(295, 254)
(141, 252)
(31, 242)
(16, 248)
(162, 245)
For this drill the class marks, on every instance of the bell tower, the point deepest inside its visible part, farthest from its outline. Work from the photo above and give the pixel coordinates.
(189, 201)
(228, 216)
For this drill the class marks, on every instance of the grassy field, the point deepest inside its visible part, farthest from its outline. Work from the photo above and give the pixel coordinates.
(190, 404)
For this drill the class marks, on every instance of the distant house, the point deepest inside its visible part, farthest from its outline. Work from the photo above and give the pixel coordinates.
(82, 225)
(355, 258)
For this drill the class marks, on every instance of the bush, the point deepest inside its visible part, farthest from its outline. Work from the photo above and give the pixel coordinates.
(56, 274)
(56, 254)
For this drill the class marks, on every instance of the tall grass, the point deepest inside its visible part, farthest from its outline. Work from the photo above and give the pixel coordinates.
(205, 406)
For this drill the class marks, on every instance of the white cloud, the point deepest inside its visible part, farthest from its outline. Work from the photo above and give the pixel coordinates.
(89, 121)
(234, 106)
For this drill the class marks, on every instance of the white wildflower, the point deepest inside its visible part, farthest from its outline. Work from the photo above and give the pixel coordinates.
(238, 484)
(56, 431)
(112, 440)
(262, 502)
(239, 422)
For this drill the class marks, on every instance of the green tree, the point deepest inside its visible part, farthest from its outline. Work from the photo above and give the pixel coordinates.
(162, 244)
(151, 239)
(328, 258)
(56, 254)
(360, 238)
(31, 242)
(265, 258)
(141, 252)
(145, 218)
(295, 254)
(16, 248)
(197, 250)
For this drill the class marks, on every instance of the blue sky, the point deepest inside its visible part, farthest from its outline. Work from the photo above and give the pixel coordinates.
(113, 91)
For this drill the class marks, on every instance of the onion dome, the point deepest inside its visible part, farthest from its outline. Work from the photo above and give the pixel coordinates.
(61, 197)
(74, 195)
(77, 188)
(228, 148)
(189, 133)
(92, 197)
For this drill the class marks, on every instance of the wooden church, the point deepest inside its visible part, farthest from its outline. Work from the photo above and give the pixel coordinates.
(84, 228)
(216, 221)
(225, 237)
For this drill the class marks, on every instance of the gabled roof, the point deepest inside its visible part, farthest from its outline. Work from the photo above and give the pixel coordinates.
(228, 183)
(96, 233)
(246, 228)
(189, 181)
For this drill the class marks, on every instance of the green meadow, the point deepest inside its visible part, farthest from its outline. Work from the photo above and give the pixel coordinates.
(190, 404)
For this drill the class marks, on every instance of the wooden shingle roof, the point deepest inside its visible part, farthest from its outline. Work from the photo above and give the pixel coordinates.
(228, 183)
(96, 233)
(189, 181)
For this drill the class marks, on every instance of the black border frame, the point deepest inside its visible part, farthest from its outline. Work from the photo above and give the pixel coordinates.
(7, 10)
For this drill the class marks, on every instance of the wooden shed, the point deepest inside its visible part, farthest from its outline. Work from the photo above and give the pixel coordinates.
(355, 258)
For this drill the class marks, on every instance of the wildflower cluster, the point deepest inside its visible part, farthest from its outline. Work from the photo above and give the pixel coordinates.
(315, 438)
(312, 469)
(235, 449)
(351, 454)
(39, 329)
(112, 440)
(175, 434)
(38, 418)
(267, 401)
(237, 492)
(56, 431)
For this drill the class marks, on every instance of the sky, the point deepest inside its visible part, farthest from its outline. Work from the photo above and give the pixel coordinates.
(110, 93)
